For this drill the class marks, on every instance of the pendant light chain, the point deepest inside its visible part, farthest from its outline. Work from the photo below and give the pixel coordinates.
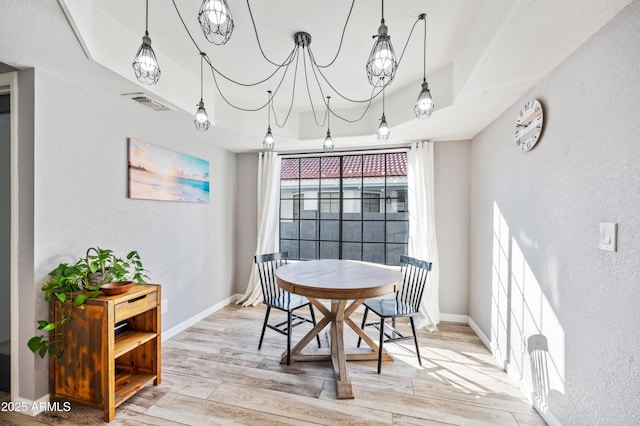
(268, 142)
(424, 62)
(328, 142)
(383, 132)
(201, 119)
(328, 114)
(269, 106)
(424, 105)
(201, 72)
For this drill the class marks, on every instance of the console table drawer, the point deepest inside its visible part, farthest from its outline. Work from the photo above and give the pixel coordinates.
(135, 306)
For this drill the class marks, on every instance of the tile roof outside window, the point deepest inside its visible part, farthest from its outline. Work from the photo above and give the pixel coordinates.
(374, 166)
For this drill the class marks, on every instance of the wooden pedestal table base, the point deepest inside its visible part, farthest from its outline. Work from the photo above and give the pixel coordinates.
(338, 281)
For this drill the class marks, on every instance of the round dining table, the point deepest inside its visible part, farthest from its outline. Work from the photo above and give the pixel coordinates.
(339, 281)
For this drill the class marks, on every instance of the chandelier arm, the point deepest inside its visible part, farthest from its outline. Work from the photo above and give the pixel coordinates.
(306, 79)
(293, 92)
(284, 65)
(363, 112)
(408, 39)
(344, 29)
(317, 68)
(255, 30)
(371, 98)
(185, 26)
(215, 80)
(279, 66)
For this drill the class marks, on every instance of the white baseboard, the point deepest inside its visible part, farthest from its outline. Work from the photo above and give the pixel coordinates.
(30, 407)
(198, 317)
(462, 319)
(548, 417)
(485, 340)
(465, 319)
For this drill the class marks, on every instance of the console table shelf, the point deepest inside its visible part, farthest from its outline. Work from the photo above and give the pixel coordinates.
(130, 340)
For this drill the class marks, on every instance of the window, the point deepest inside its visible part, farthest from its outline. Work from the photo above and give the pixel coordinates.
(370, 202)
(298, 203)
(329, 202)
(402, 200)
(345, 207)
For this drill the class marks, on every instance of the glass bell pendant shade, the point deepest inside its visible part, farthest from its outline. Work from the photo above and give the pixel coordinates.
(424, 105)
(201, 119)
(145, 65)
(383, 130)
(215, 21)
(328, 143)
(382, 64)
(268, 143)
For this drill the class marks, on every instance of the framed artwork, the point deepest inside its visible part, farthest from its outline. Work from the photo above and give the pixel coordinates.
(157, 173)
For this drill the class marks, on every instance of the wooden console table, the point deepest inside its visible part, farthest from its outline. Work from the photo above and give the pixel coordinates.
(100, 367)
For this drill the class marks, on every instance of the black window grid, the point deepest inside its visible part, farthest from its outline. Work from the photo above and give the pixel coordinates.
(317, 240)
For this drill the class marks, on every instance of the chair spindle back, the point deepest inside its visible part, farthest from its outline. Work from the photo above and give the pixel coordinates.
(414, 280)
(267, 264)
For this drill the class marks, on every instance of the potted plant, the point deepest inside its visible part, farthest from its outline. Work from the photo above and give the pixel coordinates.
(74, 284)
(104, 267)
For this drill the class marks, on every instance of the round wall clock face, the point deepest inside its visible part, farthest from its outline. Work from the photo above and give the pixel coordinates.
(529, 125)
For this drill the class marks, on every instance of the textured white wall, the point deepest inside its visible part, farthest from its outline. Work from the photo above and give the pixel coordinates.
(246, 211)
(535, 263)
(81, 201)
(451, 160)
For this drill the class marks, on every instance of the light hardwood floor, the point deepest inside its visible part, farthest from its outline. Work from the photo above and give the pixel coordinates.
(213, 374)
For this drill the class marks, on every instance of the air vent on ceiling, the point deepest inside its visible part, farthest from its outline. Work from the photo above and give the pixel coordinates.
(148, 101)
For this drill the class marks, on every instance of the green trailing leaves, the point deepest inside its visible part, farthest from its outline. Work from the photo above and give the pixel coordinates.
(48, 327)
(35, 343)
(71, 283)
(79, 299)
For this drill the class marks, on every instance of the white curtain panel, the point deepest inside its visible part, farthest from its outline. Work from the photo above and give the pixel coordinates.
(268, 220)
(422, 226)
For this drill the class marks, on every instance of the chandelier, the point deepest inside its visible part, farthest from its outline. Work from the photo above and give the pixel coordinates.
(217, 25)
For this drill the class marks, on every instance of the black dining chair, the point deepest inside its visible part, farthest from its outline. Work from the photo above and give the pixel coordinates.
(275, 297)
(406, 304)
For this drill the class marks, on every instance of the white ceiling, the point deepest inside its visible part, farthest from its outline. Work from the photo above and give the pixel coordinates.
(482, 56)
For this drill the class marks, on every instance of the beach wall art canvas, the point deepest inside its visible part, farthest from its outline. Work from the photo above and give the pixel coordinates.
(157, 173)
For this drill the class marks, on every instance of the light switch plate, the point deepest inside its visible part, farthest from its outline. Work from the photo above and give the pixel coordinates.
(608, 236)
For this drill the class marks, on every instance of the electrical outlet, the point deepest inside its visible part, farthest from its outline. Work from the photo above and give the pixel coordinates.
(164, 306)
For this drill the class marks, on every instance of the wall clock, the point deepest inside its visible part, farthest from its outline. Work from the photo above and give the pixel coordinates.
(529, 125)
